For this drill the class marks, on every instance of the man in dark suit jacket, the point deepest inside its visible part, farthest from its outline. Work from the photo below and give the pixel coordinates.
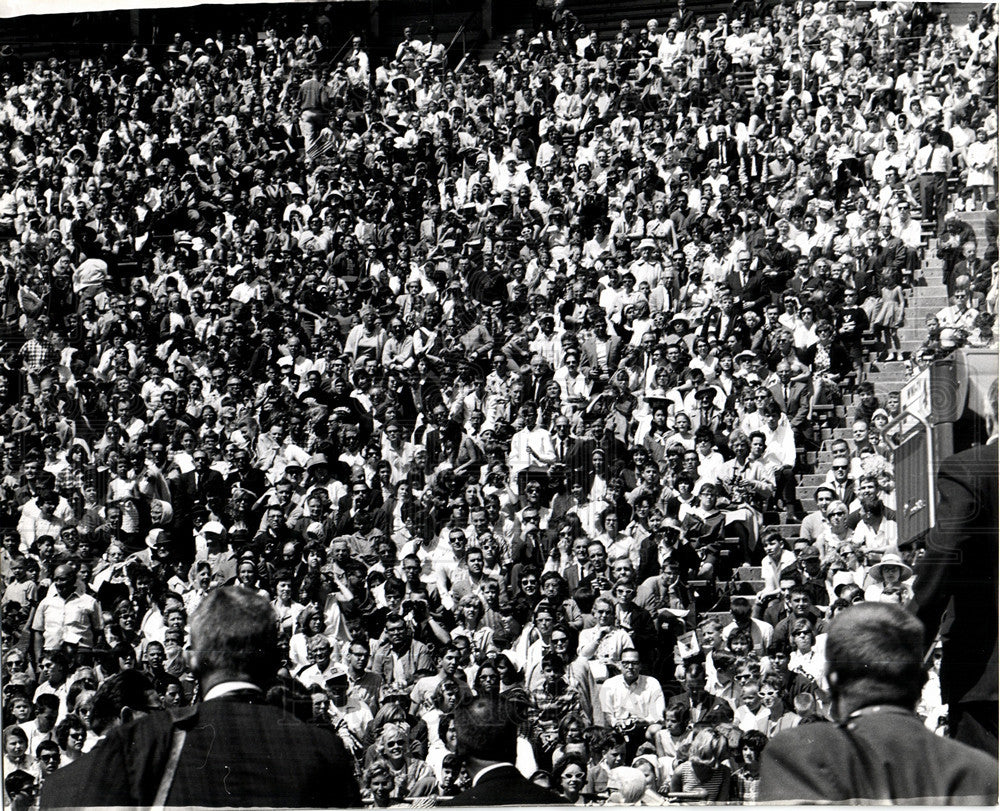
(890, 253)
(792, 398)
(701, 706)
(245, 476)
(200, 489)
(957, 577)
(612, 346)
(232, 749)
(535, 380)
(879, 750)
(747, 285)
(487, 740)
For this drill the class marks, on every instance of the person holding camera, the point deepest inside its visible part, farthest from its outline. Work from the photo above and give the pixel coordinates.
(633, 703)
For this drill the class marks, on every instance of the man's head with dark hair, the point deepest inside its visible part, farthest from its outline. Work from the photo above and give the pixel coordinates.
(234, 635)
(799, 600)
(47, 753)
(47, 702)
(19, 782)
(394, 587)
(120, 698)
(874, 654)
(486, 731)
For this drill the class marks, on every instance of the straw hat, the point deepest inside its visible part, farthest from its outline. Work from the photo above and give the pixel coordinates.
(891, 557)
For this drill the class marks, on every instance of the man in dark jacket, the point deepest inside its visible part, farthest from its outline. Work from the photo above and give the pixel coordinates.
(957, 578)
(879, 750)
(486, 730)
(232, 749)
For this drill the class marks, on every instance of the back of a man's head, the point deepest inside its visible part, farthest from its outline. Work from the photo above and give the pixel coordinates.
(120, 698)
(234, 634)
(486, 730)
(875, 655)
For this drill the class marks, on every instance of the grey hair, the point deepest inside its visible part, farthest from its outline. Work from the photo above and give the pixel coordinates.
(234, 631)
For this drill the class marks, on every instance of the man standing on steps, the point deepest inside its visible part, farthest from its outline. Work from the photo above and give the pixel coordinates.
(955, 589)
(934, 165)
(312, 101)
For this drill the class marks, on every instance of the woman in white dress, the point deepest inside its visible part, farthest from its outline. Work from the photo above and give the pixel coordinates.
(981, 160)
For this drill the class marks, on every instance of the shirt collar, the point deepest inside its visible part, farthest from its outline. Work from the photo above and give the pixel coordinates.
(229, 687)
(481, 772)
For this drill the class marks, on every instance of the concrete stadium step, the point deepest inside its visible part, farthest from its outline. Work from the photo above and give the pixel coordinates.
(930, 300)
(984, 227)
(812, 480)
(747, 572)
(925, 307)
(918, 316)
(932, 286)
(885, 367)
(789, 530)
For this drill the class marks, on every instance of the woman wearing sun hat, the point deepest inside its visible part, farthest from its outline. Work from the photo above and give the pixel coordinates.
(887, 579)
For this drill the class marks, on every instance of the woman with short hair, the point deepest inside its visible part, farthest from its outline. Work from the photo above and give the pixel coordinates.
(412, 777)
(704, 774)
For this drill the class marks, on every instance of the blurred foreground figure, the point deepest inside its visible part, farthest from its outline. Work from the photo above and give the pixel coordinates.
(486, 730)
(957, 578)
(232, 749)
(878, 749)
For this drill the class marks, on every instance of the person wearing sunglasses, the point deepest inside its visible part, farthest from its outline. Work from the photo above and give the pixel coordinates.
(48, 757)
(840, 479)
(837, 530)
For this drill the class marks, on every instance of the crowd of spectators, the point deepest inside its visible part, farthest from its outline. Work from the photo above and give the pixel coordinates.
(495, 378)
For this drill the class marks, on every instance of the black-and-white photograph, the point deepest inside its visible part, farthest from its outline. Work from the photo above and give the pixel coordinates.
(498, 402)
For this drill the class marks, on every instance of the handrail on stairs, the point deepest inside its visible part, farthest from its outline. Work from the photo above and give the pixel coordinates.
(461, 32)
(342, 48)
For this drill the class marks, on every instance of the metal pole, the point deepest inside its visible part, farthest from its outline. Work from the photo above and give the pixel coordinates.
(932, 501)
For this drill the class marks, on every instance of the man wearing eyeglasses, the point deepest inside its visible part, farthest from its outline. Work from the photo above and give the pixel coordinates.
(49, 757)
(842, 483)
(534, 511)
(633, 703)
(636, 620)
(362, 684)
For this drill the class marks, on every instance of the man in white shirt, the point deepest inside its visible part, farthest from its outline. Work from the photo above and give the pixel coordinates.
(530, 446)
(66, 614)
(575, 385)
(737, 45)
(934, 165)
(957, 316)
(633, 703)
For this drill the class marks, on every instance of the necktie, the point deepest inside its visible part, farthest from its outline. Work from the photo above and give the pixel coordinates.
(786, 396)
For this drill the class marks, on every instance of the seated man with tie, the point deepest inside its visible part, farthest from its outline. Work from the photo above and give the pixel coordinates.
(793, 399)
